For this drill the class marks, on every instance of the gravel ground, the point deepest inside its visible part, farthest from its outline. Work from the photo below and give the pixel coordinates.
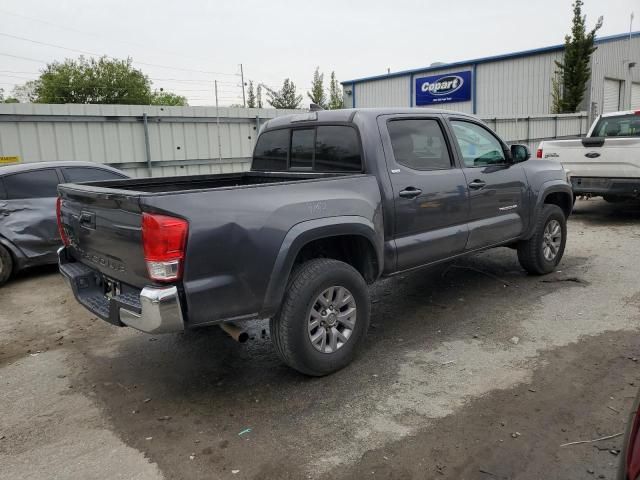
(474, 370)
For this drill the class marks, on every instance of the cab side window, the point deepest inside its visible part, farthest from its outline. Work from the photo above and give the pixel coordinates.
(478, 146)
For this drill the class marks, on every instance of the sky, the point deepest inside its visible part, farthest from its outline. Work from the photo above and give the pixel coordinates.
(184, 46)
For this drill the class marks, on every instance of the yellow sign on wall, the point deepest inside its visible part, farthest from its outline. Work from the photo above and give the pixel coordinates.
(9, 160)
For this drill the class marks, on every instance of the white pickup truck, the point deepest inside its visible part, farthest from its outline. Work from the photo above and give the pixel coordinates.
(606, 162)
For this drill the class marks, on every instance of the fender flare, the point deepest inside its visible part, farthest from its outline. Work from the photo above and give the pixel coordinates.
(548, 187)
(304, 232)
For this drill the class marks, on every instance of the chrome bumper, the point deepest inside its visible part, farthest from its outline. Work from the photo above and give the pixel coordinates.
(151, 310)
(161, 312)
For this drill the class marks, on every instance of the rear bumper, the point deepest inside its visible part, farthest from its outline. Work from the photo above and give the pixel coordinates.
(624, 187)
(150, 310)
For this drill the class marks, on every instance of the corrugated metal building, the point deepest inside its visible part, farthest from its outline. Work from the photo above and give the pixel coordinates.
(140, 139)
(517, 84)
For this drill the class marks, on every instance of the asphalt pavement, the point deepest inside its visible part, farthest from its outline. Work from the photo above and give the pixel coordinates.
(473, 370)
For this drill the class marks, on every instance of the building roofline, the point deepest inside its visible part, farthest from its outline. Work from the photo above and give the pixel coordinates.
(493, 58)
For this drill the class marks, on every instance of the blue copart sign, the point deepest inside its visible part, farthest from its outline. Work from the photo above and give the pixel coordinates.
(444, 88)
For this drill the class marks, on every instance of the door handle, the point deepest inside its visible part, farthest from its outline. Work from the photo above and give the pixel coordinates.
(410, 192)
(477, 185)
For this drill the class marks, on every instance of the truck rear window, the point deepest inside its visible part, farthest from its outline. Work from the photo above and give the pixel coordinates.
(326, 148)
(618, 126)
(271, 152)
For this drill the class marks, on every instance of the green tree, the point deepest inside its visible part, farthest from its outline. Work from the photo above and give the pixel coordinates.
(286, 97)
(90, 80)
(251, 96)
(574, 71)
(87, 80)
(336, 96)
(160, 97)
(259, 96)
(317, 94)
(6, 100)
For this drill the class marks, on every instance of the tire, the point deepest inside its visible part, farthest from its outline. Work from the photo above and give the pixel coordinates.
(531, 253)
(6, 265)
(292, 331)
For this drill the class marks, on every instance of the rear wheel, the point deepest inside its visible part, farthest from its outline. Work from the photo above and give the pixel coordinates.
(323, 318)
(6, 265)
(543, 251)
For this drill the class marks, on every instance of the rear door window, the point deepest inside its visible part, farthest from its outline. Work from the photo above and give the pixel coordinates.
(88, 174)
(337, 149)
(33, 184)
(272, 150)
(419, 144)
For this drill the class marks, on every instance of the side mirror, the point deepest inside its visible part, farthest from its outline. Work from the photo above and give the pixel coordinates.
(520, 153)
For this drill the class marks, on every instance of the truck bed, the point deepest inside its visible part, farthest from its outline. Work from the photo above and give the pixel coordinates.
(206, 182)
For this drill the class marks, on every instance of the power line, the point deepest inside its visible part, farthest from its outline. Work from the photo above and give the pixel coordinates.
(23, 58)
(86, 52)
(94, 34)
(4, 73)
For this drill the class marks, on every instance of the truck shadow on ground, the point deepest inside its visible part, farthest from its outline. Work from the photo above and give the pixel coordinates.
(597, 212)
(416, 310)
(34, 272)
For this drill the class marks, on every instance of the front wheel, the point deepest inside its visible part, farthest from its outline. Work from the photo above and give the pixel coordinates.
(323, 318)
(543, 251)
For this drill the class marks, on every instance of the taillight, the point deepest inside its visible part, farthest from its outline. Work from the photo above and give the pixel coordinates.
(63, 234)
(633, 449)
(539, 153)
(164, 239)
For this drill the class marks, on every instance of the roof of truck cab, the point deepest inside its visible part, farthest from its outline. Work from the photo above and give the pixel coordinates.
(347, 114)
(25, 167)
(623, 112)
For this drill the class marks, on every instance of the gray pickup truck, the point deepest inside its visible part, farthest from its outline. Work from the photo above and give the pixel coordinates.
(334, 200)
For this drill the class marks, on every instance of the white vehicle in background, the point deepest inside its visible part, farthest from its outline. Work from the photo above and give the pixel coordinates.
(604, 163)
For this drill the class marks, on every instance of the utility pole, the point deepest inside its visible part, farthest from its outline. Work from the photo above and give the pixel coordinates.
(630, 65)
(244, 100)
(215, 85)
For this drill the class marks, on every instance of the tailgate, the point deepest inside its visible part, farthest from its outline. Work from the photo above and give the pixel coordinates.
(104, 230)
(613, 158)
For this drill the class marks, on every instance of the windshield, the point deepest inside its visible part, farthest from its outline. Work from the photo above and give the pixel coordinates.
(618, 126)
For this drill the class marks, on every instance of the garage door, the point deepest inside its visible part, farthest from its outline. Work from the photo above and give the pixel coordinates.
(611, 102)
(635, 96)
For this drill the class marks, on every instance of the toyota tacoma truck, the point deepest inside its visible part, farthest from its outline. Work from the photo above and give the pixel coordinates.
(334, 200)
(604, 163)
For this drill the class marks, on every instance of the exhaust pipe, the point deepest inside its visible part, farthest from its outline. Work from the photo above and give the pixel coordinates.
(235, 332)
